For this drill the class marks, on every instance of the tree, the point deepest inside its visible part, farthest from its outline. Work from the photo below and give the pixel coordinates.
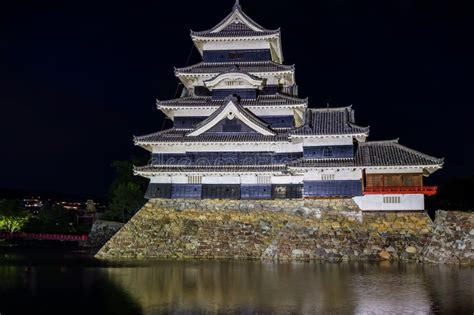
(126, 200)
(56, 219)
(13, 216)
(126, 193)
(124, 174)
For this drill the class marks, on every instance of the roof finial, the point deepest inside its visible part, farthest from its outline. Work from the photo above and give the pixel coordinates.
(237, 4)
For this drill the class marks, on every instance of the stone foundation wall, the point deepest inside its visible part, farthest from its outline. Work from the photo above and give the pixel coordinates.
(102, 231)
(452, 239)
(326, 229)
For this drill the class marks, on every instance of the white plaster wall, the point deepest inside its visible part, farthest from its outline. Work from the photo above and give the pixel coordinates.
(262, 111)
(228, 147)
(375, 203)
(214, 180)
(248, 179)
(179, 179)
(388, 170)
(227, 179)
(272, 78)
(287, 179)
(342, 174)
(168, 149)
(313, 142)
(160, 180)
(237, 45)
(204, 112)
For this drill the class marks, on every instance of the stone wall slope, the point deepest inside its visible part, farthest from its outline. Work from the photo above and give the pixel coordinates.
(452, 239)
(330, 229)
(102, 231)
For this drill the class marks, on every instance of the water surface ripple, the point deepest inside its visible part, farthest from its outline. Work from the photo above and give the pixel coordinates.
(50, 282)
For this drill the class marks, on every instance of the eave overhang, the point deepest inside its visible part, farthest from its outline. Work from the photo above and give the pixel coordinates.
(151, 171)
(238, 26)
(245, 80)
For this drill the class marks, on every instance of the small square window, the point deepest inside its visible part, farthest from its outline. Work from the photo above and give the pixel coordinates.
(327, 152)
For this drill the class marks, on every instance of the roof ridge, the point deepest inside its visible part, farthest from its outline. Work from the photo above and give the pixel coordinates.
(429, 157)
(351, 124)
(237, 5)
(243, 18)
(392, 153)
(157, 133)
(182, 98)
(381, 142)
(290, 97)
(328, 109)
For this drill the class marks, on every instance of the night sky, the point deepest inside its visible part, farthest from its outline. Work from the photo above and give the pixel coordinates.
(79, 79)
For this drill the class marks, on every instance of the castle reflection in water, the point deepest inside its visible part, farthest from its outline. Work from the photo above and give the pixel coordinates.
(302, 288)
(74, 286)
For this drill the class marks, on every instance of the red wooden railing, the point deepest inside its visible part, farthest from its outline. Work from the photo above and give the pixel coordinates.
(44, 236)
(425, 190)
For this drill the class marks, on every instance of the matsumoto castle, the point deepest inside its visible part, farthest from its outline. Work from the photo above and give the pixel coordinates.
(241, 132)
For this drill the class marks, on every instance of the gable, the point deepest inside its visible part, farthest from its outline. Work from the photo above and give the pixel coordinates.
(234, 80)
(231, 125)
(237, 20)
(223, 118)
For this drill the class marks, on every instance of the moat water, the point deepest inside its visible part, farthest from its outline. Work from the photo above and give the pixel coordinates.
(47, 281)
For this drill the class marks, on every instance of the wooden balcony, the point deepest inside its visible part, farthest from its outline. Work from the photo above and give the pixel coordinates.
(425, 190)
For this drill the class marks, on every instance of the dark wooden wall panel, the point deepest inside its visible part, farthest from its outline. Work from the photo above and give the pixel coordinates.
(237, 55)
(334, 188)
(187, 191)
(158, 191)
(221, 191)
(255, 192)
(250, 94)
(334, 151)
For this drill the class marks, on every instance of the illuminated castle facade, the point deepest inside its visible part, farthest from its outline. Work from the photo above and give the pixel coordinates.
(241, 132)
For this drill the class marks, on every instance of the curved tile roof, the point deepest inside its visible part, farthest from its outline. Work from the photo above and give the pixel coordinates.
(262, 100)
(222, 67)
(317, 163)
(236, 26)
(330, 121)
(209, 168)
(179, 136)
(375, 153)
(391, 153)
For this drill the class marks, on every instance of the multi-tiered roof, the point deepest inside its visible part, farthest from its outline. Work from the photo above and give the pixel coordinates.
(242, 100)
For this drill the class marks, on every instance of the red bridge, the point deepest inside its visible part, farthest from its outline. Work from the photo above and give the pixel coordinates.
(43, 236)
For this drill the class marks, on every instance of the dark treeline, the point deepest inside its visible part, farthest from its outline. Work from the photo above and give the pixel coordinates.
(52, 218)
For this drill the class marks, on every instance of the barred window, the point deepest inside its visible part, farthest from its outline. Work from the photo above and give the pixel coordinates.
(327, 152)
(195, 179)
(264, 179)
(391, 199)
(328, 177)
